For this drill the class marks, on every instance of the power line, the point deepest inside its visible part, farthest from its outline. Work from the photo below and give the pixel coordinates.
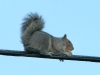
(73, 57)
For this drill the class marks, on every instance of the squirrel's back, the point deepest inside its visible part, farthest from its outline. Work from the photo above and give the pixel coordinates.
(32, 23)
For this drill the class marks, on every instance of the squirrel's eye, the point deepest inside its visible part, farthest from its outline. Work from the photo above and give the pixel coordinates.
(69, 41)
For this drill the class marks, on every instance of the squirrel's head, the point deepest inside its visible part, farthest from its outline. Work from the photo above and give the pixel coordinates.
(69, 45)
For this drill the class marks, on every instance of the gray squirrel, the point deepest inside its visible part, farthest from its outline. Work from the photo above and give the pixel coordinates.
(32, 36)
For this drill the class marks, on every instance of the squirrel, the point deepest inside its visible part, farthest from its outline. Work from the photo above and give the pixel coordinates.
(33, 37)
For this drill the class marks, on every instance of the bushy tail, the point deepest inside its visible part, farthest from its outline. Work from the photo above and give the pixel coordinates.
(32, 23)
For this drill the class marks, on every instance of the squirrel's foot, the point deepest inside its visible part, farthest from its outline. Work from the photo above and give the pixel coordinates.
(68, 54)
(50, 54)
(47, 54)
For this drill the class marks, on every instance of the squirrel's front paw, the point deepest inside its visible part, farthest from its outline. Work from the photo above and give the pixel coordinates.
(50, 54)
(68, 54)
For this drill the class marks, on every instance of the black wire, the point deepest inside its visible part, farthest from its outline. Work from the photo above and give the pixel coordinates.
(25, 54)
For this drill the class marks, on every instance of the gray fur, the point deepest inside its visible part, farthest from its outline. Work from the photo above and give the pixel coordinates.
(32, 23)
(40, 41)
(33, 37)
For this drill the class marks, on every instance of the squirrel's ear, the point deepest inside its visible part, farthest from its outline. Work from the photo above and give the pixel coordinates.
(64, 37)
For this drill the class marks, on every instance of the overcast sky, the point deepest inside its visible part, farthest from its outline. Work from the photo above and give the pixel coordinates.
(79, 19)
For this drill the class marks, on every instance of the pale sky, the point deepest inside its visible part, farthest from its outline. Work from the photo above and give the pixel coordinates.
(79, 19)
